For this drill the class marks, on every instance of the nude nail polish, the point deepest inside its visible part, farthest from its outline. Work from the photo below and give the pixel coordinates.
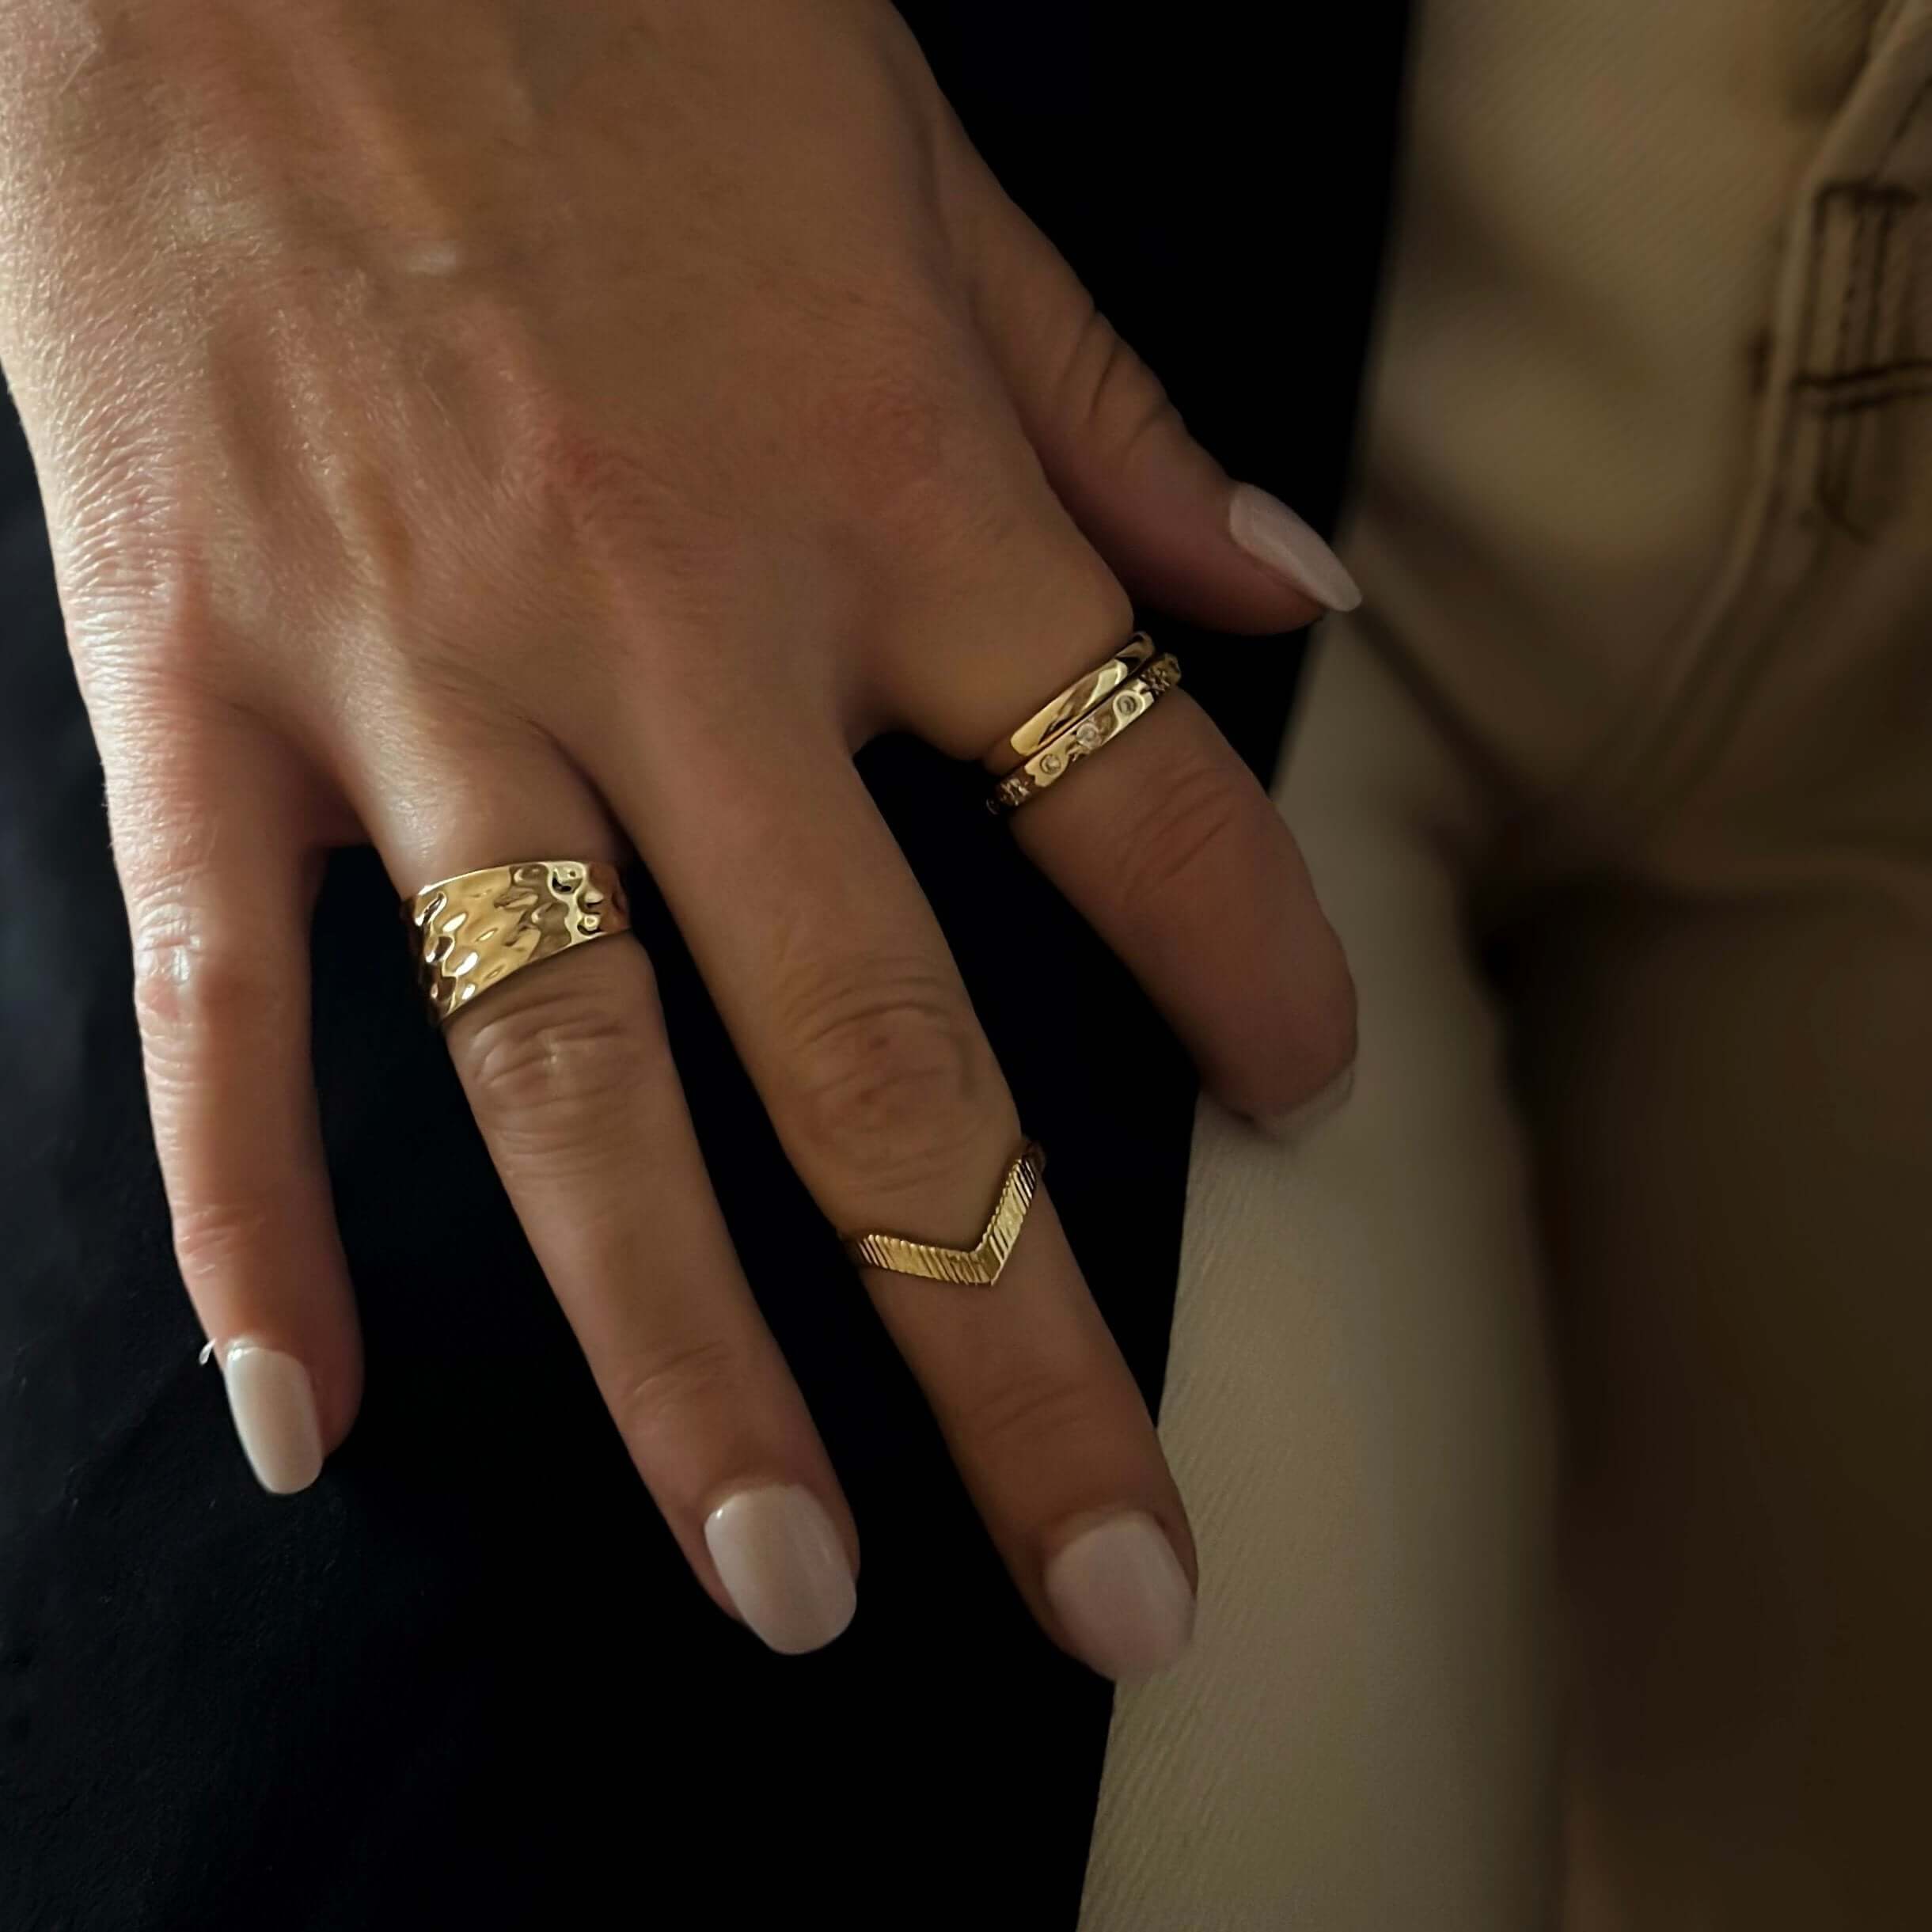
(272, 1401)
(1122, 1597)
(1280, 541)
(782, 1563)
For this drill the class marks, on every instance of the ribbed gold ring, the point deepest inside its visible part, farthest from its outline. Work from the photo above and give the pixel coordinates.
(472, 931)
(978, 1266)
(1080, 739)
(1074, 702)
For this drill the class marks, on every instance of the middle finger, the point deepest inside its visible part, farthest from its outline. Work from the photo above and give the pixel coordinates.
(830, 970)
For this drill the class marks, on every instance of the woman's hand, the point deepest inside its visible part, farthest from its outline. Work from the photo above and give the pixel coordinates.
(505, 428)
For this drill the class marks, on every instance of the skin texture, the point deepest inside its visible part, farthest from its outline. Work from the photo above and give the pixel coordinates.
(492, 429)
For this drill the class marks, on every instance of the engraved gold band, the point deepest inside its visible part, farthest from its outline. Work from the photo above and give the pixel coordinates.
(1083, 736)
(472, 931)
(978, 1266)
(1078, 698)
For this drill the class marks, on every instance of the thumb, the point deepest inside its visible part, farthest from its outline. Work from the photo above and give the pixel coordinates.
(1175, 528)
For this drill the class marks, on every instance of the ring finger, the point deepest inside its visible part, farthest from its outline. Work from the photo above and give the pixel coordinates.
(567, 1070)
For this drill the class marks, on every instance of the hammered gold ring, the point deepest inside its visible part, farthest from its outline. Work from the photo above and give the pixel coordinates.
(979, 1265)
(1123, 702)
(472, 931)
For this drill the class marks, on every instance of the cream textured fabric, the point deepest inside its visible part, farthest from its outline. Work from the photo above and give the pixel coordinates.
(1641, 699)
(1360, 1736)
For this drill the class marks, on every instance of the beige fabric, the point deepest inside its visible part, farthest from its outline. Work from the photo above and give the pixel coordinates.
(1578, 319)
(1360, 1736)
(1642, 699)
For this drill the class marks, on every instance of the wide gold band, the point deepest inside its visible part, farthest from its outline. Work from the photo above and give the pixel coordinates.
(1078, 699)
(1083, 736)
(978, 1266)
(472, 931)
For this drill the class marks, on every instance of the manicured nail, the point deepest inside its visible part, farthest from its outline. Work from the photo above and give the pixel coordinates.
(783, 1564)
(1299, 1122)
(1120, 1592)
(273, 1402)
(1277, 540)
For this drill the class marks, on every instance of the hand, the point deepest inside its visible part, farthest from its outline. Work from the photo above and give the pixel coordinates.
(504, 428)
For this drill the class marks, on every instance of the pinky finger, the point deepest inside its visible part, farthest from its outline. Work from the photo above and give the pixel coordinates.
(220, 885)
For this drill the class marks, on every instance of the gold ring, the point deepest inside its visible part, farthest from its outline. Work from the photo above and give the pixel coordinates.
(472, 931)
(978, 1266)
(1083, 736)
(1078, 698)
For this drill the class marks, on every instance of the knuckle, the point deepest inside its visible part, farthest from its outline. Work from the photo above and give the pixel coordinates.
(218, 1238)
(1200, 820)
(190, 985)
(910, 454)
(1201, 840)
(129, 572)
(149, 620)
(693, 1377)
(1109, 394)
(552, 1058)
(640, 515)
(599, 479)
(1034, 1416)
(620, 493)
(891, 1079)
(1079, 595)
(893, 429)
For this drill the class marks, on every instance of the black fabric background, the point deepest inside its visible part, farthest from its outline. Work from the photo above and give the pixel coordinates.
(465, 1681)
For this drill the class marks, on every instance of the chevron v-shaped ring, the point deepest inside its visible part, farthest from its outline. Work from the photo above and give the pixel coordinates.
(978, 1266)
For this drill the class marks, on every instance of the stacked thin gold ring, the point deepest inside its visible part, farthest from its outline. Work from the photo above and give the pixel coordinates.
(1089, 715)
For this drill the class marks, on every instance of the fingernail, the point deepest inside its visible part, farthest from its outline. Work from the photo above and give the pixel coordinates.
(1122, 1595)
(783, 1564)
(1299, 1122)
(273, 1402)
(1279, 541)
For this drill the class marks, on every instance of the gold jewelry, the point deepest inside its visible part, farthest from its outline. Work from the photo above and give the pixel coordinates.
(472, 931)
(1079, 698)
(1085, 736)
(979, 1264)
